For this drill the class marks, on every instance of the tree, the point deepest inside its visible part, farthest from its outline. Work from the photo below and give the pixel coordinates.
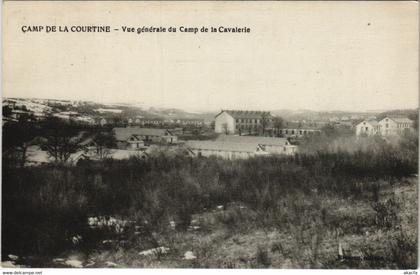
(27, 117)
(329, 130)
(265, 120)
(7, 111)
(278, 124)
(415, 118)
(17, 137)
(104, 141)
(61, 140)
(118, 121)
(300, 124)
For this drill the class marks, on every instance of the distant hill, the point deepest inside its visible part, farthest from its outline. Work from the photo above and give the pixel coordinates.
(292, 115)
(95, 109)
(180, 114)
(410, 113)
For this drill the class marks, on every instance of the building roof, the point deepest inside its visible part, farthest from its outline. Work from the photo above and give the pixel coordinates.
(401, 119)
(69, 113)
(254, 140)
(123, 133)
(222, 146)
(372, 122)
(36, 155)
(245, 114)
(20, 112)
(87, 141)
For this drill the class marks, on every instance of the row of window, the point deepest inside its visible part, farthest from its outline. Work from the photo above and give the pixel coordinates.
(400, 125)
(200, 151)
(300, 132)
(165, 122)
(244, 127)
(367, 129)
(404, 125)
(248, 120)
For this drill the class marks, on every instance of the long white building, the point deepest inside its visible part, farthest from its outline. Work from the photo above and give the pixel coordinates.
(240, 147)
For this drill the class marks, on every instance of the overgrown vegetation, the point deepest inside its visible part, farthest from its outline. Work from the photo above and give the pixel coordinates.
(302, 200)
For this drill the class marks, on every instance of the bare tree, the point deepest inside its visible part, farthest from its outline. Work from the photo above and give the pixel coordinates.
(265, 120)
(104, 141)
(60, 140)
(7, 111)
(17, 137)
(300, 124)
(278, 124)
(60, 148)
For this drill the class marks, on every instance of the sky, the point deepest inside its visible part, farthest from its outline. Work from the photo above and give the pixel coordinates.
(353, 56)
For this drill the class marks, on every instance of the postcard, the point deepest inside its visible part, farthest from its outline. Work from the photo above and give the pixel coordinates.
(210, 135)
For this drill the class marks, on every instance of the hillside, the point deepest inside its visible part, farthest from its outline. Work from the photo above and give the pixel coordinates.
(89, 108)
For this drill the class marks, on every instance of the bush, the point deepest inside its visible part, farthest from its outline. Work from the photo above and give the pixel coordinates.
(278, 191)
(262, 258)
(386, 213)
(237, 219)
(42, 210)
(404, 251)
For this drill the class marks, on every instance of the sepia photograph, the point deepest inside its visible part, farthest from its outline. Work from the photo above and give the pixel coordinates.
(210, 135)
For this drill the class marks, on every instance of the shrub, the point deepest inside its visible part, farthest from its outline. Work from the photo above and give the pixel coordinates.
(404, 251)
(278, 191)
(262, 257)
(237, 219)
(386, 213)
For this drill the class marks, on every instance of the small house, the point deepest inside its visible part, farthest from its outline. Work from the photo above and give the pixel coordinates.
(367, 127)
